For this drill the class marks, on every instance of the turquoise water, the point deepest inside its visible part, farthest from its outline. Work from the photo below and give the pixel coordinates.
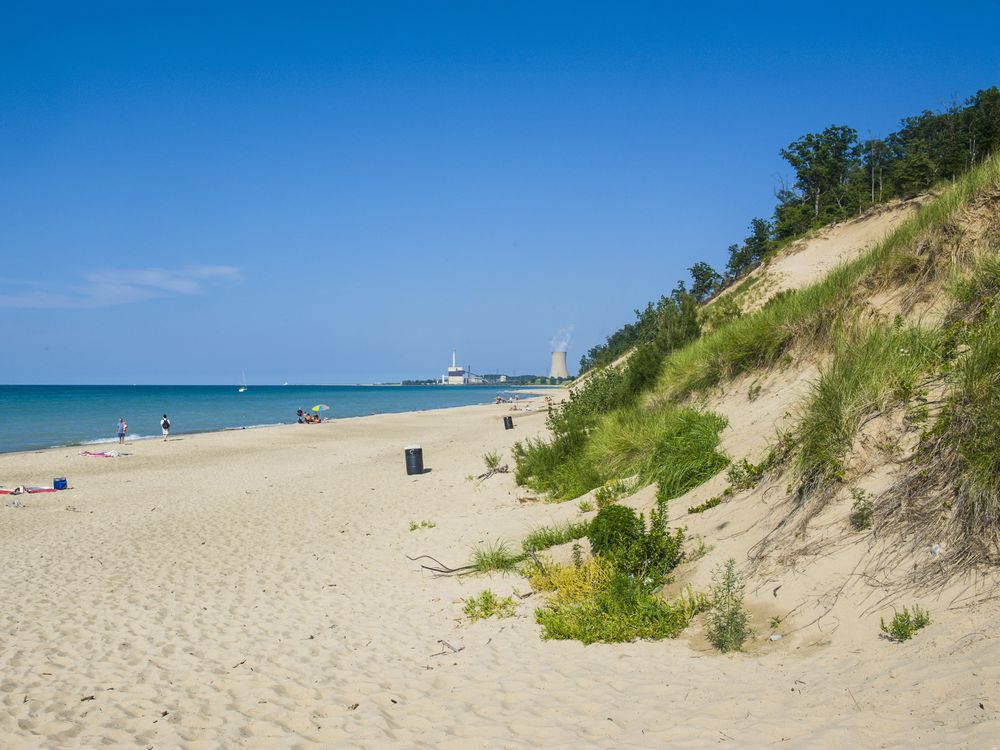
(43, 416)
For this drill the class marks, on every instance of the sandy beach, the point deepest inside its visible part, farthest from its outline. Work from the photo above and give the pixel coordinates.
(252, 588)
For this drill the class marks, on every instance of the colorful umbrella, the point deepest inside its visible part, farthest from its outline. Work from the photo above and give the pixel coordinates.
(321, 407)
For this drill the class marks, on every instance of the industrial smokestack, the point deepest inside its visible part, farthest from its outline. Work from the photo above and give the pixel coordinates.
(558, 369)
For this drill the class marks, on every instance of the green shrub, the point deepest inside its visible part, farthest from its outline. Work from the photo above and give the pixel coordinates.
(544, 537)
(614, 528)
(414, 525)
(904, 624)
(862, 512)
(647, 554)
(486, 604)
(728, 621)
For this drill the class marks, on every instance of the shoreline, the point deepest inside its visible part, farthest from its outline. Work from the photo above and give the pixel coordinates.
(532, 391)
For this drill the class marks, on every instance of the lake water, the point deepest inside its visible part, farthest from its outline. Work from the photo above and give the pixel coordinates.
(43, 416)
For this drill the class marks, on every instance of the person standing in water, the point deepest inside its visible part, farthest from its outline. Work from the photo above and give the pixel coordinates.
(165, 426)
(122, 429)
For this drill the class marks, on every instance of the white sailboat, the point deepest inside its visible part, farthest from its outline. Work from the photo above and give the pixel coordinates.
(243, 388)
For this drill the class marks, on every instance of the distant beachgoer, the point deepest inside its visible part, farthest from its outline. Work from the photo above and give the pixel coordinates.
(165, 426)
(499, 399)
(300, 415)
(122, 429)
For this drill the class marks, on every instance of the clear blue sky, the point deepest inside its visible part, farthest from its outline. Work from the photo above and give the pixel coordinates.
(344, 193)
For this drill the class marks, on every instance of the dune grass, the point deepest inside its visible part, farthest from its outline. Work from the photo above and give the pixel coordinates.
(968, 436)
(496, 556)
(558, 466)
(872, 366)
(544, 537)
(676, 447)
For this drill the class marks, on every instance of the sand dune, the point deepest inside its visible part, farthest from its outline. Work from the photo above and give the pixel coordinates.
(252, 589)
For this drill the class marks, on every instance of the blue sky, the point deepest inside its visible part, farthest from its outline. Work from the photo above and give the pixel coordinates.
(344, 193)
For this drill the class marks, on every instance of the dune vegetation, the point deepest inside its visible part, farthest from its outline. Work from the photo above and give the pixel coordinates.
(909, 327)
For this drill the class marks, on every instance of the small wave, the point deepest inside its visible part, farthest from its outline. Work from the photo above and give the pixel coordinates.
(98, 441)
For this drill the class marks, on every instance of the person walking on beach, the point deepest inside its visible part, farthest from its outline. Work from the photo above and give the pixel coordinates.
(122, 429)
(165, 426)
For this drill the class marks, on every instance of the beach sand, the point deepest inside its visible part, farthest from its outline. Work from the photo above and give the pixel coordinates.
(252, 588)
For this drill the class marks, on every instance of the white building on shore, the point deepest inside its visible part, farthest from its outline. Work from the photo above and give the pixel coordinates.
(457, 375)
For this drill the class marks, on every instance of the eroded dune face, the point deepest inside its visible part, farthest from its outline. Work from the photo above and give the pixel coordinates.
(808, 260)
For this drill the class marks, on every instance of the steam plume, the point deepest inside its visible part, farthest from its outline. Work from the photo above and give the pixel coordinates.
(561, 338)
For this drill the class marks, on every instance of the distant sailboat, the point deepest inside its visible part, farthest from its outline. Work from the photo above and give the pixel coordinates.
(285, 383)
(243, 388)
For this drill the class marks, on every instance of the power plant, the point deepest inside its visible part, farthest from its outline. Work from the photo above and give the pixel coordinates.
(558, 368)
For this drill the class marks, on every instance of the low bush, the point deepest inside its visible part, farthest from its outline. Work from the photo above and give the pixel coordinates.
(904, 624)
(647, 554)
(487, 604)
(414, 525)
(573, 583)
(614, 528)
(728, 621)
(620, 611)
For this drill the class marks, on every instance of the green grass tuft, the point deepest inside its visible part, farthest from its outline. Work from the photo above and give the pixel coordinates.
(495, 556)
(544, 537)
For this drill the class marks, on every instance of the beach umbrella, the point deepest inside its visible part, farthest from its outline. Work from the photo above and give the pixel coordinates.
(321, 407)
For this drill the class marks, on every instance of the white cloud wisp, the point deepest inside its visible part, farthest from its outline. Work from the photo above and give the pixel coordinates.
(108, 288)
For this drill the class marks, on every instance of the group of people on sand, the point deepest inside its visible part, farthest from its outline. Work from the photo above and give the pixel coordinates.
(122, 429)
(307, 418)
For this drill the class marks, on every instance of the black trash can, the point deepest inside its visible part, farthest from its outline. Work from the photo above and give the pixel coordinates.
(508, 423)
(414, 459)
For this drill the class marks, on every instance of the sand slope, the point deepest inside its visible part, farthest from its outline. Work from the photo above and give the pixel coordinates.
(252, 589)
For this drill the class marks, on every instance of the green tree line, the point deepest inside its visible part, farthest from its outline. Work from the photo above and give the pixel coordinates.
(837, 176)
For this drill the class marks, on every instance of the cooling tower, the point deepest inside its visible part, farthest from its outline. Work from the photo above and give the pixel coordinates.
(558, 369)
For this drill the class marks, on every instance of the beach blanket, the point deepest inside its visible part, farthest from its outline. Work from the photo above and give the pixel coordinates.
(100, 454)
(25, 490)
